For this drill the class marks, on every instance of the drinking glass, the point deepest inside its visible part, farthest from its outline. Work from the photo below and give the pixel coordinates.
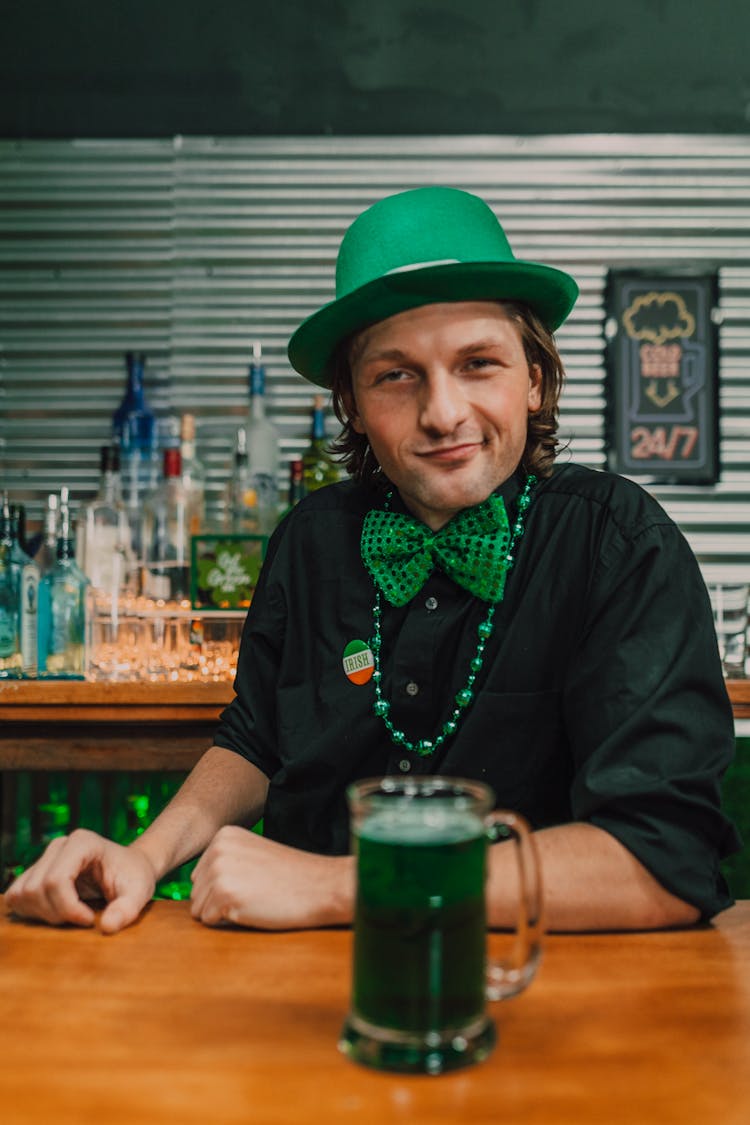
(729, 602)
(421, 979)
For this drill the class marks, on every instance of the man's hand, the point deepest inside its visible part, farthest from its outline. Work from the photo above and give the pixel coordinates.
(246, 879)
(84, 866)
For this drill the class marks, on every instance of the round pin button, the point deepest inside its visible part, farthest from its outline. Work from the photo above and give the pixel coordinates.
(404, 765)
(358, 662)
(412, 688)
(431, 603)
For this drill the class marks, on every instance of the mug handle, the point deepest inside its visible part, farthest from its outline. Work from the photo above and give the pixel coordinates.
(507, 978)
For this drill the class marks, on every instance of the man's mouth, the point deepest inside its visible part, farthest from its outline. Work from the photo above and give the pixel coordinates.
(447, 454)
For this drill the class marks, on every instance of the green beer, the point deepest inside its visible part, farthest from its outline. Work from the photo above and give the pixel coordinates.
(419, 954)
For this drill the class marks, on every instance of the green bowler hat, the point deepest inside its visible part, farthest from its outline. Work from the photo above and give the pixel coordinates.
(417, 248)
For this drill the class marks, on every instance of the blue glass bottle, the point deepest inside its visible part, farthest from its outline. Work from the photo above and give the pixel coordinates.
(134, 431)
(63, 611)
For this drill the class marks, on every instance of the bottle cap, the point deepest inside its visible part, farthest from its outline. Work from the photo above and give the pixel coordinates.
(109, 459)
(172, 462)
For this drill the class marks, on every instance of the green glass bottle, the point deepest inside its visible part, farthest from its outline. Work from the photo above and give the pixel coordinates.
(318, 467)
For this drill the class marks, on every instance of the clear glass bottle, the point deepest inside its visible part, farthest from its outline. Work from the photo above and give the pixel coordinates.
(193, 475)
(104, 531)
(242, 497)
(134, 431)
(63, 610)
(166, 536)
(318, 467)
(46, 553)
(262, 447)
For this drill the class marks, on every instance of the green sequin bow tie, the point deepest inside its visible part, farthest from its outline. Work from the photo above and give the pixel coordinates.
(400, 553)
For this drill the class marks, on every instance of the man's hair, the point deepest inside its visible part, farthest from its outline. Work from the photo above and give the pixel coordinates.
(539, 346)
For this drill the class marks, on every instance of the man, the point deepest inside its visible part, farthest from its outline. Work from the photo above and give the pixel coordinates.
(462, 606)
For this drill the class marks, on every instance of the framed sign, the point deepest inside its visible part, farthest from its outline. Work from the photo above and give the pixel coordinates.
(224, 570)
(662, 380)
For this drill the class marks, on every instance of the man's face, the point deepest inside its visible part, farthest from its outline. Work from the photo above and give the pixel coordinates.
(443, 393)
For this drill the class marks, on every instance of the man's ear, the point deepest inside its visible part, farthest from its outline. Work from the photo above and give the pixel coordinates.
(535, 388)
(350, 406)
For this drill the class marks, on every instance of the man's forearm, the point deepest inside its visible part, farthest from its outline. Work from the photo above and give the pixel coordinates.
(223, 788)
(590, 882)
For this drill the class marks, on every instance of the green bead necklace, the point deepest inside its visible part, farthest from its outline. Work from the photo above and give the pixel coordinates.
(463, 699)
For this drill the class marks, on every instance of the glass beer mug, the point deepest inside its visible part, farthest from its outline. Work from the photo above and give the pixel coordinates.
(421, 978)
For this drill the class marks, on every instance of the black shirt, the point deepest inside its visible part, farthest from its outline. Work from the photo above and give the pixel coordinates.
(600, 699)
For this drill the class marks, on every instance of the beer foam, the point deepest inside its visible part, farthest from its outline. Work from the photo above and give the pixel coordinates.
(421, 824)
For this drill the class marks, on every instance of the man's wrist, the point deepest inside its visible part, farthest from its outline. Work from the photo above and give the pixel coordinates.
(145, 847)
(340, 910)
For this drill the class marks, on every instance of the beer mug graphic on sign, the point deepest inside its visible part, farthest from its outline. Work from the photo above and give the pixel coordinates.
(421, 979)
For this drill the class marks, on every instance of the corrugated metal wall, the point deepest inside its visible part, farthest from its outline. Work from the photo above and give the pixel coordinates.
(190, 249)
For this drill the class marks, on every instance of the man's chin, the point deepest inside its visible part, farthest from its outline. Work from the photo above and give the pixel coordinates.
(443, 502)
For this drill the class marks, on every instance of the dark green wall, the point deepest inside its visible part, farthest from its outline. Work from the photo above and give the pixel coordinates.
(151, 68)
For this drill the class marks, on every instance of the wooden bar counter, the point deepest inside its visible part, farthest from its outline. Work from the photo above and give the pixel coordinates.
(172, 1022)
(82, 725)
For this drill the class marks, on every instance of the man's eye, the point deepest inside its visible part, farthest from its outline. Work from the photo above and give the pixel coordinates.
(476, 363)
(392, 376)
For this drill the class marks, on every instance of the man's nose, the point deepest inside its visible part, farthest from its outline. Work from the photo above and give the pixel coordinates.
(443, 405)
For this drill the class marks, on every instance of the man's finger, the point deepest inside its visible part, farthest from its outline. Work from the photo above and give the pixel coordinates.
(64, 905)
(121, 912)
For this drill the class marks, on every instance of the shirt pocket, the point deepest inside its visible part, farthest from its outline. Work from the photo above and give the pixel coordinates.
(515, 742)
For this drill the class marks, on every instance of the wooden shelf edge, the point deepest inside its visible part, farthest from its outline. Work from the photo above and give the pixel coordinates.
(83, 693)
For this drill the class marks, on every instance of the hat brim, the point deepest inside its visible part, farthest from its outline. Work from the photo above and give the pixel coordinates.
(548, 291)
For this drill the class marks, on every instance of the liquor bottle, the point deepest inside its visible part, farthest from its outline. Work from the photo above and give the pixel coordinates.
(296, 482)
(134, 431)
(19, 582)
(262, 447)
(166, 419)
(63, 610)
(193, 475)
(10, 618)
(21, 527)
(166, 536)
(104, 532)
(318, 467)
(46, 553)
(28, 581)
(242, 497)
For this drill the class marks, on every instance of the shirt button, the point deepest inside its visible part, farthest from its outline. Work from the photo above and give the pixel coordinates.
(412, 688)
(431, 603)
(404, 765)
